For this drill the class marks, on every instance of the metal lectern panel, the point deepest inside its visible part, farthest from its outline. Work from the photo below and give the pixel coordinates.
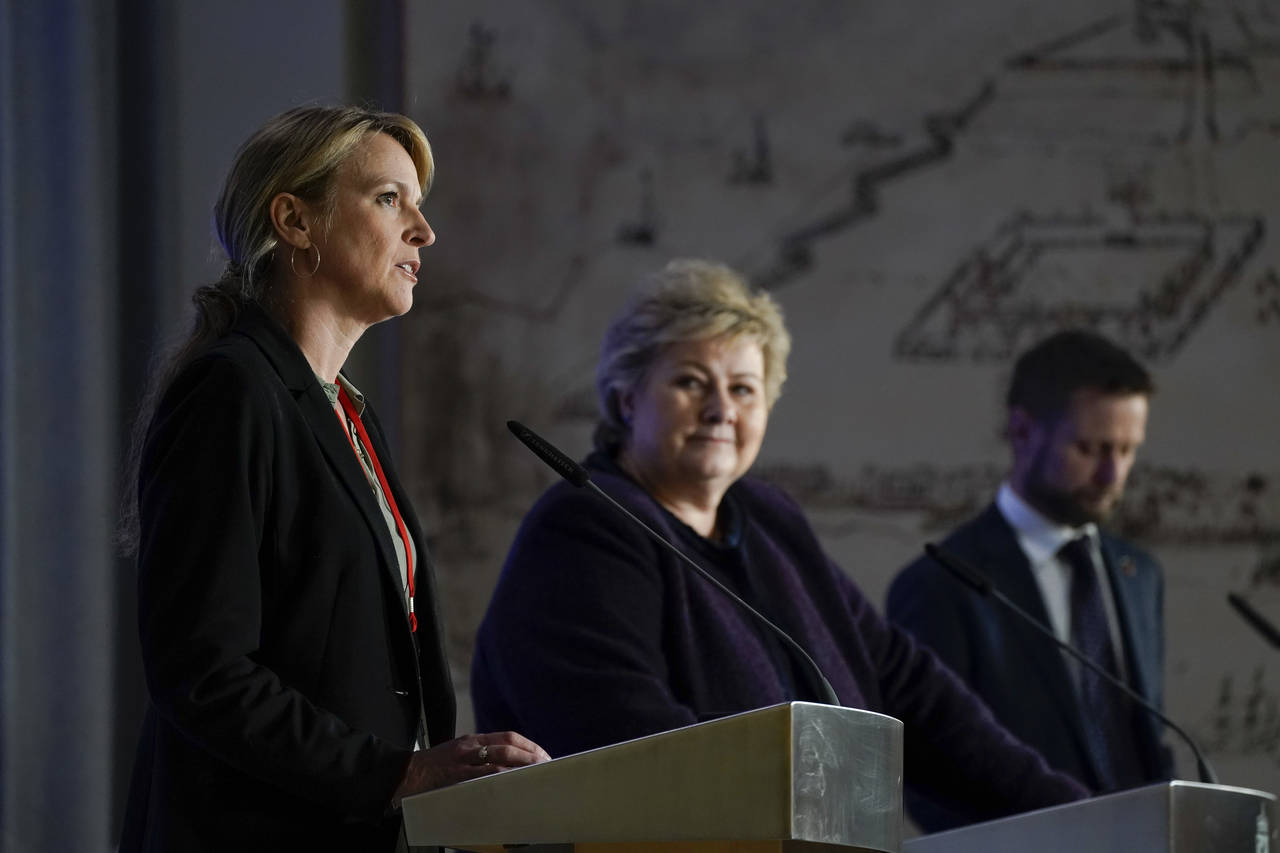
(1172, 817)
(839, 783)
(1219, 817)
(795, 772)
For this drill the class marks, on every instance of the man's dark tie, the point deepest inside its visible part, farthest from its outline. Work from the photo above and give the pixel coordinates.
(1107, 713)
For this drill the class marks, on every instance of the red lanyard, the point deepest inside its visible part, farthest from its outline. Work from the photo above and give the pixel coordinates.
(386, 490)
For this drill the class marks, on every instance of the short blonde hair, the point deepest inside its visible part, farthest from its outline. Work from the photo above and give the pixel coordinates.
(688, 300)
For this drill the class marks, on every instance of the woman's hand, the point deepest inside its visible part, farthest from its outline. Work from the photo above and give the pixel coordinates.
(466, 757)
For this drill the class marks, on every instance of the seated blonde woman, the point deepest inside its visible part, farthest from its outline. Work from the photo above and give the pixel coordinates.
(596, 634)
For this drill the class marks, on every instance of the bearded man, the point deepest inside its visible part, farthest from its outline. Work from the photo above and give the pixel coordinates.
(1077, 415)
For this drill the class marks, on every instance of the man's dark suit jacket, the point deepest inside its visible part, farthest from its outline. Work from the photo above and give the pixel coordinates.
(1022, 675)
(284, 682)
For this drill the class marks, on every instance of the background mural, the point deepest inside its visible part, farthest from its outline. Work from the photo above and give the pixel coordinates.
(928, 190)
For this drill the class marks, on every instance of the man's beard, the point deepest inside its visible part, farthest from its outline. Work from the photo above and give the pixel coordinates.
(1064, 507)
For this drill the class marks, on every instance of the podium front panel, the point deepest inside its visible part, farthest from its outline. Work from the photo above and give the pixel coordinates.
(799, 771)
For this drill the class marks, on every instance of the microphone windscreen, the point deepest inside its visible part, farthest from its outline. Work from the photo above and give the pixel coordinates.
(548, 453)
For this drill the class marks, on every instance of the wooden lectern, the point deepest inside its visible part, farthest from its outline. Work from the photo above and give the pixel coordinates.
(793, 778)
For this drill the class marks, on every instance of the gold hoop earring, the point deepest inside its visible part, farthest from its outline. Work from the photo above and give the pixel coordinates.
(314, 269)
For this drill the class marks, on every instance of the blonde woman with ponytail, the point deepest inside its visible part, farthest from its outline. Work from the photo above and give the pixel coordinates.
(290, 632)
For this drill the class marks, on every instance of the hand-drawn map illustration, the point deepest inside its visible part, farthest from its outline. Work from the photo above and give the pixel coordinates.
(928, 189)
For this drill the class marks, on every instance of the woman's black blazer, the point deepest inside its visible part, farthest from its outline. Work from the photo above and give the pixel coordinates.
(285, 686)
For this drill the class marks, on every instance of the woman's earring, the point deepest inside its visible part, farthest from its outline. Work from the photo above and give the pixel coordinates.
(314, 269)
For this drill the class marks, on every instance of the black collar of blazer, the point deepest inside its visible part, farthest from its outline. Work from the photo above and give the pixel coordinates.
(284, 355)
(1129, 587)
(295, 372)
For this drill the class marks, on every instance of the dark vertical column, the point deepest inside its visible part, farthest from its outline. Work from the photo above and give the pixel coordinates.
(375, 77)
(8, 272)
(375, 55)
(145, 268)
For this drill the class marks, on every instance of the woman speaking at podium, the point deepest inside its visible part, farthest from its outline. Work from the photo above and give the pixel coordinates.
(290, 635)
(596, 634)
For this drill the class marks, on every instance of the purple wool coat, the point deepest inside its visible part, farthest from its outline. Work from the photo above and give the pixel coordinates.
(597, 634)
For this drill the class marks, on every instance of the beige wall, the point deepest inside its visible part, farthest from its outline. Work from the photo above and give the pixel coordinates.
(1007, 189)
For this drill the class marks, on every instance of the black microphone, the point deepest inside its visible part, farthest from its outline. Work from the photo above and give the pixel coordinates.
(1254, 618)
(576, 474)
(983, 586)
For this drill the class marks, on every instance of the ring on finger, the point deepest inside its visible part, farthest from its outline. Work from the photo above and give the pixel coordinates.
(483, 753)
